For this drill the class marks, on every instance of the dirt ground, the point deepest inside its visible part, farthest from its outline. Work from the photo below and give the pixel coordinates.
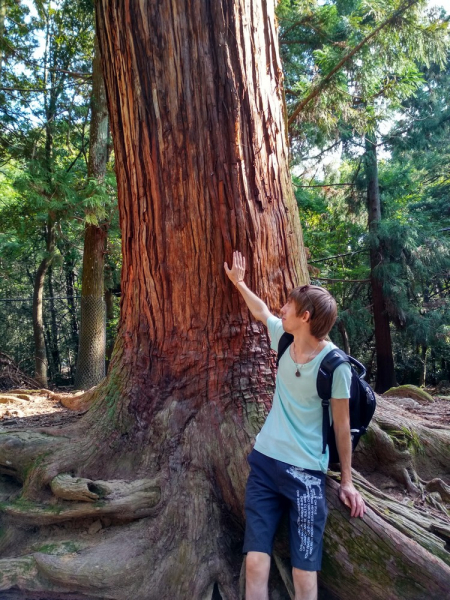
(21, 409)
(26, 409)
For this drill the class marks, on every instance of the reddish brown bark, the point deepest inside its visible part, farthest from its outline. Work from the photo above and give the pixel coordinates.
(201, 165)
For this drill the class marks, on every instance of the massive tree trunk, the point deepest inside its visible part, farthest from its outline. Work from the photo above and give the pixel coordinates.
(385, 376)
(91, 351)
(153, 475)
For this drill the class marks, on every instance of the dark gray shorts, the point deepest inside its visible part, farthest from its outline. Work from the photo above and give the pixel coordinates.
(274, 486)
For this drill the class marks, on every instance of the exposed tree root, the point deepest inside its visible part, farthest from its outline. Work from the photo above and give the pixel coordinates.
(119, 499)
(437, 485)
(77, 401)
(405, 448)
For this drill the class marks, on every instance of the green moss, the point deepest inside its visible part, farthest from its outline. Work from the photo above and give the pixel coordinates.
(409, 391)
(68, 547)
(256, 414)
(406, 439)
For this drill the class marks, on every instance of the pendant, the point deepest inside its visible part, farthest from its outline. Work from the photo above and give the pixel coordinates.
(297, 373)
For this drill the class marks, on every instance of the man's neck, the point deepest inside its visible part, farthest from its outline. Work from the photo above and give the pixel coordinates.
(307, 346)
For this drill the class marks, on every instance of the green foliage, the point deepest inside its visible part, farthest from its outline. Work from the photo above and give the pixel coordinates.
(371, 84)
(44, 139)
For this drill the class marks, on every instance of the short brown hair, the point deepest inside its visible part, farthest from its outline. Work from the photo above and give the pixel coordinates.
(321, 306)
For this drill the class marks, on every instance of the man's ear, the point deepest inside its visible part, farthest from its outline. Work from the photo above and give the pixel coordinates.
(306, 316)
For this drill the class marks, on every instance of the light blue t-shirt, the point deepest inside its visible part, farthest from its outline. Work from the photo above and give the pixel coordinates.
(292, 432)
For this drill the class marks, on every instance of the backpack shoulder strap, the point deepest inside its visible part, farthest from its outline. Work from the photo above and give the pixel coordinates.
(329, 363)
(285, 341)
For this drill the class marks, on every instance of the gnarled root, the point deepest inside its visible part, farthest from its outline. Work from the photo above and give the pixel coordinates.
(438, 486)
(117, 499)
(66, 487)
(402, 448)
(394, 552)
(19, 451)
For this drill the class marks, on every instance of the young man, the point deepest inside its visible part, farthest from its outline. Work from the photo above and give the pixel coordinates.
(288, 468)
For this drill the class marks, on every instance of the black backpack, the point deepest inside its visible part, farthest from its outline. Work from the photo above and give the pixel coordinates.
(362, 396)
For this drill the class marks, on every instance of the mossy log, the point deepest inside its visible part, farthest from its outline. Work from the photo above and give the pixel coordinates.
(409, 391)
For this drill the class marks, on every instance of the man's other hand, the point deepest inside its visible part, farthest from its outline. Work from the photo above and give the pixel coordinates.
(353, 499)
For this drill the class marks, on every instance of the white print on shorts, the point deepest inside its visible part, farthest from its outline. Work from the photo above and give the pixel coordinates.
(306, 508)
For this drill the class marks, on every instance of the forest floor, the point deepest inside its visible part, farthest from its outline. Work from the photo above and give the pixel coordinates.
(31, 408)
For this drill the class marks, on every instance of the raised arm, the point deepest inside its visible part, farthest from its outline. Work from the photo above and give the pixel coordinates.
(236, 274)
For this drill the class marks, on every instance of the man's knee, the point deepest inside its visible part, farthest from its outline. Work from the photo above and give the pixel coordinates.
(257, 566)
(305, 583)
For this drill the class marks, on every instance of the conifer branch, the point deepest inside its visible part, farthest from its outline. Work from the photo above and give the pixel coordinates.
(338, 256)
(320, 86)
(342, 280)
(15, 89)
(324, 185)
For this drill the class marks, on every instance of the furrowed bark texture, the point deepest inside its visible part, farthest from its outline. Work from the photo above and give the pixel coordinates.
(194, 94)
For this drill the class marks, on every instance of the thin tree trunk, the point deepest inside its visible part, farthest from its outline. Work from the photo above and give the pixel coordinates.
(385, 377)
(54, 350)
(41, 363)
(71, 303)
(344, 336)
(109, 302)
(92, 342)
(423, 368)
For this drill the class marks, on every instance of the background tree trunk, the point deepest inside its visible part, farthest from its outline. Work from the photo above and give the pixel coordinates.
(91, 351)
(53, 330)
(71, 305)
(385, 376)
(40, 373)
